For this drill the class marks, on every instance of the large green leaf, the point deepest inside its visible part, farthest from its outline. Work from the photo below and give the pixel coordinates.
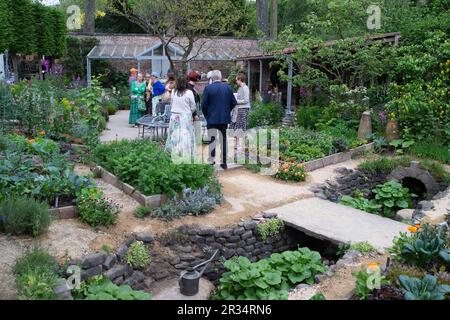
(273, 278)
(261, 283)
(296, 277)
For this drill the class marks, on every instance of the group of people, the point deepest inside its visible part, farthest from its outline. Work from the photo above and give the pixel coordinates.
(221, 108)
(146, 93)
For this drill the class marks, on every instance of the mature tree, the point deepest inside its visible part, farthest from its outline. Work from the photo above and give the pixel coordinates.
(6, 34)
(44, 25)
(24, 41)
(262, 17)
(181, 22)
(274, 19)
(292, 13)
(89, 21)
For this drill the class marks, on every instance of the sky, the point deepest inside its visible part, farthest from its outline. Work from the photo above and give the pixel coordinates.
(50, 2)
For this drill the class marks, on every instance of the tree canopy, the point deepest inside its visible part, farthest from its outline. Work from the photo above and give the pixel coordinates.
(30, 27)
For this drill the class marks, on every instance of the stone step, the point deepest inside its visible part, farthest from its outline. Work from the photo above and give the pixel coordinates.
(326, 220)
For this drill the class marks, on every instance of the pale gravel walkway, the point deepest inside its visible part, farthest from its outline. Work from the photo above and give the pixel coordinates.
(10, 251)
(118, 128)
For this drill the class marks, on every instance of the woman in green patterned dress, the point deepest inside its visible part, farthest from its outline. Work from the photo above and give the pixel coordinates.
(137, 108)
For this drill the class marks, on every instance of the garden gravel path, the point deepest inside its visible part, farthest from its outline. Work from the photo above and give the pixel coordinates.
(10, 250)
(118, 128)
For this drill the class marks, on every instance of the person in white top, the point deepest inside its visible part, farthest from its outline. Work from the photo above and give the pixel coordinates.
(181, 139)
(239, 115)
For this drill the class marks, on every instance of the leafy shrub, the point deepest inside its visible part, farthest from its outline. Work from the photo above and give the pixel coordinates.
(94, 210)
(101, 288)
(110, 109)
(36, 275)
(340, 145)
(423, 289)
(25, 216)
(392, 196)
(268, 278)
(292, 171)
(265, 114)
(308, 116)
(137, 255)
(270, 228)
(360, 203)
(142, 212)
(144, 165)
(378, 165)
(124, 103)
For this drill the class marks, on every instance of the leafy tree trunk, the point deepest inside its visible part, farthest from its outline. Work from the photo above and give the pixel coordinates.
(262, 17)
(89, 22)
(274, 20)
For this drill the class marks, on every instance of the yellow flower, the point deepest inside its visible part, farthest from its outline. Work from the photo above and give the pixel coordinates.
(412, 229)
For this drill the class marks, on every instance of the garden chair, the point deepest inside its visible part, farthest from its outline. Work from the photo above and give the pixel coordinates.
(146, 122)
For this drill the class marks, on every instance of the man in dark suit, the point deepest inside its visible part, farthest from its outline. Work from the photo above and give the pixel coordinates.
(217, 102)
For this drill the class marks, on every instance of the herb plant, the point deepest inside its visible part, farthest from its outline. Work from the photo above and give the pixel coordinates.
(137, 255)
(270, 228)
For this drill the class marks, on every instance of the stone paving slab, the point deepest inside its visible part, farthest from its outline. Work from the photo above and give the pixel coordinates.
(338, 223)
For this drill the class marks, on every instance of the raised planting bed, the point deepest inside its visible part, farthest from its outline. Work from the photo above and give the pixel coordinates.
(153, 201)
(144, 170)
(328, 160)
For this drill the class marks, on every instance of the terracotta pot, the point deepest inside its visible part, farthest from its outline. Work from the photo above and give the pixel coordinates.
(392, 130)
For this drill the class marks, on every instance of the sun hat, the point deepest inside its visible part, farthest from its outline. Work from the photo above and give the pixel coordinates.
(155, 74)
(194, 76)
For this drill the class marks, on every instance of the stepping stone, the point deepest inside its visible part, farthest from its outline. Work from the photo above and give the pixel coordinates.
(327, 220)
(170, 290)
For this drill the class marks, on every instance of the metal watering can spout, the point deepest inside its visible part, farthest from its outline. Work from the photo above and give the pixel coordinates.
(190, 278)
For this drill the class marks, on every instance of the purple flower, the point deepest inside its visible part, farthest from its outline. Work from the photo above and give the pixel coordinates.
(72, 103)
(383, 116)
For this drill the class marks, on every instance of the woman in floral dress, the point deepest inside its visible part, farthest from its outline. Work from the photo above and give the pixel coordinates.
(181, 139)
(137, 108)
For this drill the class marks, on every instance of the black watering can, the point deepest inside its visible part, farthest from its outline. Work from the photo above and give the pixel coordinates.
(190, 278)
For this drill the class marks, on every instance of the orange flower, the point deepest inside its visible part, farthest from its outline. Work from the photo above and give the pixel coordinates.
(42, 132)
(418, 226)
(412, 229)
(31, 141)
(372, 266)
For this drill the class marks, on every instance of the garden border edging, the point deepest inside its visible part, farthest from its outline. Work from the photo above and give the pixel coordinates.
(153, 201)
(69, 212)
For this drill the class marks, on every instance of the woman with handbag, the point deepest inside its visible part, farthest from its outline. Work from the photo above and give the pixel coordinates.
(137, 108)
